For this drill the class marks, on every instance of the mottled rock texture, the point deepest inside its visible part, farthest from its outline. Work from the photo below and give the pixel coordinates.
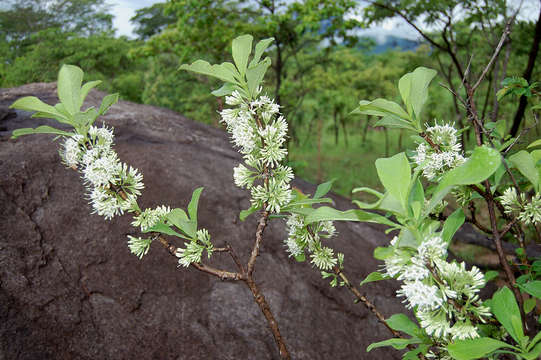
(70, 289)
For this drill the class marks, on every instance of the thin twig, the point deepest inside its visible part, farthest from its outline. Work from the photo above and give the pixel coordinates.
(361, 298)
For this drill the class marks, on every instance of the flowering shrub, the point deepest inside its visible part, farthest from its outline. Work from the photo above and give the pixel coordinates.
(453, 321)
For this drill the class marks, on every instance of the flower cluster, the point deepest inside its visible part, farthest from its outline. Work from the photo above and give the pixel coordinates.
(435, 162)
(259, 132)
(443, 295)
(112, 186)
(194, 249)
(138, 246)
(527, 212)
(302, 237)
(147, 218)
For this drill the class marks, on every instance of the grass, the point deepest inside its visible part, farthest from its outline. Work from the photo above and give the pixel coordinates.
(352, 165)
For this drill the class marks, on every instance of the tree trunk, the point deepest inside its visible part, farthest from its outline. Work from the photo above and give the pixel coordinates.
(519, 115)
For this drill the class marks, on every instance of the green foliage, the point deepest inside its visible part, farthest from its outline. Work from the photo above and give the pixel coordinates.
(239, 77)
(72, 94)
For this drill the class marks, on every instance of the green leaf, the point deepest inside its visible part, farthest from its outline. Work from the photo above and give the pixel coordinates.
(535, 143)
(532, 287)
(382, 253)
(44, 129)
(245, 213)
(491, 275)
(364, 205)
(414, 354)
(326, 213)
(534, 354)
(32, 103)
(381, 107)
(452, 224)
(107, 102)
(179, 218)
(164, 229)
(226, 89)
(504, 307)
(69, 83)
(401, 322)
(414, 90)
(242, 47)
(260, 47)
(255, 75)
(525, 163)
(395, 174)
(529, 305)
(374, 276)
(393, 122)
(417, 198)
(85, 119)
(475, 348)
(85, 89)
(300, 258)
(323, 189)
(483, 162)
(536, 338)
(192, 206)
(398, 344)
(203, 67)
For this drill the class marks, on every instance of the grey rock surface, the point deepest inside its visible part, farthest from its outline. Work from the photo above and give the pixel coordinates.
(70, 289)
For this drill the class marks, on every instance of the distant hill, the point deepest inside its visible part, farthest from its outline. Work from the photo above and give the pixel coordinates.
(391, 42)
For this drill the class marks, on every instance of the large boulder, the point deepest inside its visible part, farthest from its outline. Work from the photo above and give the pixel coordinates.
(70, 289)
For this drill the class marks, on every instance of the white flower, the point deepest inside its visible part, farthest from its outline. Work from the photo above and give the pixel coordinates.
(434, 163)
(420, 295)
(323, 258)
(138, 246)
(243, 177)
(413, 272)
(71, 152)
(396, 263)
(293, 247)
(234, 99)
(509, 200)
(434, 322)
(192, 254)
(433, 248)
(150, 217)
(101, 136)
(105, 203)
(463, 330)
(531, 213)
(101, 171)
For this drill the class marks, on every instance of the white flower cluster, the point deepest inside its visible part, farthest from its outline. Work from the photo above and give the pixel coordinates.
(147, 218)
(429, 282)
(259, 132)
(138, 246)
(433, 162)
(103, 173)
(301, 238)
(528, 212)
(194, 249)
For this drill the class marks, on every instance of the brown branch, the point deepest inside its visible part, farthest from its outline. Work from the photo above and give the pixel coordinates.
(261, 225)
(501, 255)
(506, 32)
(403, 16)
(361, 298)
(366, 302)
(265, 309)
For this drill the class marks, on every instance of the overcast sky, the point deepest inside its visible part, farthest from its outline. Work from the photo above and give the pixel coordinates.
(124, 10)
